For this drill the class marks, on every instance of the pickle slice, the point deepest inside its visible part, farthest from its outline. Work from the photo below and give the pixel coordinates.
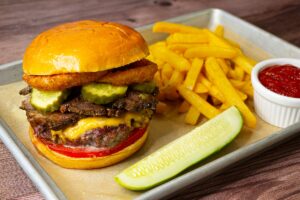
(47, 101)
(147, 87)
(101, 93)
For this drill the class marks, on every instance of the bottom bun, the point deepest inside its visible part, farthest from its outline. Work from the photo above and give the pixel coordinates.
(86, 163)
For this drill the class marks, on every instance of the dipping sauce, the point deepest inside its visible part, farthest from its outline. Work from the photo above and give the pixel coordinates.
(281, 79)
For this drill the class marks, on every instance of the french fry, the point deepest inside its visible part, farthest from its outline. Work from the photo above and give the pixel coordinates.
(207, 51)
(242, 95)
(193, 73)
(215, 101)
(192, 116)
(217, 41)
(224, 65)
(244, 63)
(187, 38)
(248, 89)
(175, 60)
(199, 103)
(230, 94)
(250, 60)
(166, 73)
(237, 83)
(184, 107)
(247, 77)
(176, 79)
(181, 47)
(219, 31)
(212, 90)
(225, 78)
(224, 106)
(167, 27)
(239, 73)
(200, 89)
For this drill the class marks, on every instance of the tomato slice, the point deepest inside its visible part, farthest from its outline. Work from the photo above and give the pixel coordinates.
(84, 152)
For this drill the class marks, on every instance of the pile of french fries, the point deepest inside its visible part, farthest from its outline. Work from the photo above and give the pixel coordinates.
(209, 72)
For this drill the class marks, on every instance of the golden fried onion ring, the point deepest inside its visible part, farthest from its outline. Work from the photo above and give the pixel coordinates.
(137, 72)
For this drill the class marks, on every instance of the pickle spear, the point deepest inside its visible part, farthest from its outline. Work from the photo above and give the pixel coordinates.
(183, 152)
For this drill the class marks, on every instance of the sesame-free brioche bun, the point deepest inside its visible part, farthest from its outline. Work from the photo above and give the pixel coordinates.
(86, 163)
(83, 46)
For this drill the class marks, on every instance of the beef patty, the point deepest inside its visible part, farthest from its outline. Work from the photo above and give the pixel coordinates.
(76, 108)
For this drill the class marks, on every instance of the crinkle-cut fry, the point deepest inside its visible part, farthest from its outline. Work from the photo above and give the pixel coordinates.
(168, 27)
(192, 75)
(168, 56)
(237, 83)
(248, 89)
(207, 51)
(199, 103)
(187, 38)
(228, 91)
(219, 31)
(161, 107)
(200, 88)
(244, 63)
(184, 107)
(224, 65)
(192, 116)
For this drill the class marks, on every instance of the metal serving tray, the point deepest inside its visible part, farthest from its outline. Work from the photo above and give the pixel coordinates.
(255, 42)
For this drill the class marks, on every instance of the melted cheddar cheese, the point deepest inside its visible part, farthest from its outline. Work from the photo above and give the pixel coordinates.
(86, 124)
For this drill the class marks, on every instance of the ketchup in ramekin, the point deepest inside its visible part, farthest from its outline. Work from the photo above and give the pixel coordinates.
(281, 79)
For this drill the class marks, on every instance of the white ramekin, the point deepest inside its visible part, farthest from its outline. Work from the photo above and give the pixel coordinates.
(274, 108)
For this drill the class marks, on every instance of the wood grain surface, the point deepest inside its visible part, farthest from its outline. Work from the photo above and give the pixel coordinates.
(274, 174)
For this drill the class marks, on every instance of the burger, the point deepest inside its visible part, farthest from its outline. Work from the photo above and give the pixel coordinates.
(90, 95)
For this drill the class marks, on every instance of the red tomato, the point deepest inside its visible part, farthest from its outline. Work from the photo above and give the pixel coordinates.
(86, 152)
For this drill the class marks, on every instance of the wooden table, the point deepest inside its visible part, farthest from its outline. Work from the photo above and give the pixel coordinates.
(274, 174)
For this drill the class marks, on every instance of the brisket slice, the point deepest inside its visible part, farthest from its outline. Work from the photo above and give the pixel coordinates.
(132, 102)
(82, 107)
(54, 120)
(26, 90)
(136, 102)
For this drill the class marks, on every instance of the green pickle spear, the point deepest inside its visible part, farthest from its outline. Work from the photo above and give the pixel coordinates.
(183, 152)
